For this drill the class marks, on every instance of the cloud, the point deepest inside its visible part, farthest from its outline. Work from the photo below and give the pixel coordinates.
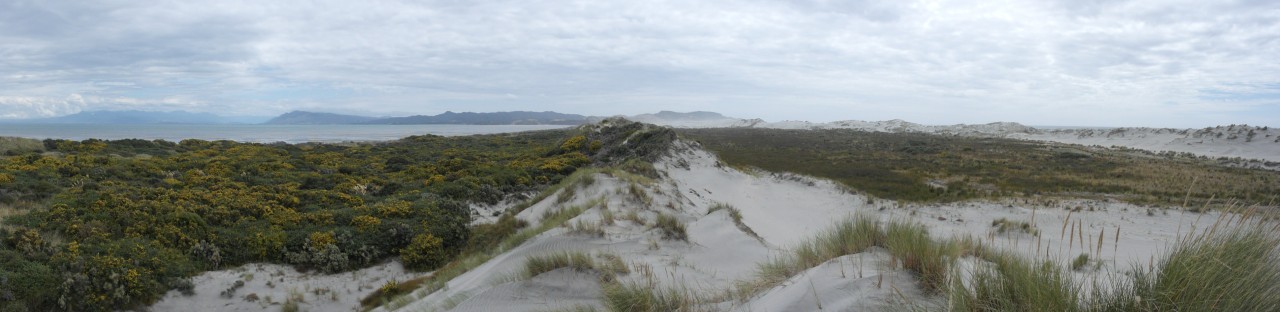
(939, 61)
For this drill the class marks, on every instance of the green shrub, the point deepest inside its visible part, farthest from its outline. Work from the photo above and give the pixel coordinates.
(424, 253)
(27, 285)
(485, 236)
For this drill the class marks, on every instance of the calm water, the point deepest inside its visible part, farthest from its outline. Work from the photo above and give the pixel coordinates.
(250, 133)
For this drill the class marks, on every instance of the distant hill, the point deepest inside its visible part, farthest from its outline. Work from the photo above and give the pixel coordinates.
(314, 118)
(698, 119)
(144, 117)
(670, 115)
(496, 118)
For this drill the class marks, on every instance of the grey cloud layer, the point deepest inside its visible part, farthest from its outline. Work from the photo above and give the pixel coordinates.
(1135, 62)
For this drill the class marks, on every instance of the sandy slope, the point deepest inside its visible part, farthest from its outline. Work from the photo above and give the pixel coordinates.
(273, 284)
(785, 209)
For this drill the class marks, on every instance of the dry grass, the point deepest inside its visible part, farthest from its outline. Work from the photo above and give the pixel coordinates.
(928, 259)
(13, 145)
(671, 228)
(1004, 225)
(582, 227)
(736, 216)
(1233, 266)
(1012, 283)
(578, 261)
(634, 297)
(847, 237)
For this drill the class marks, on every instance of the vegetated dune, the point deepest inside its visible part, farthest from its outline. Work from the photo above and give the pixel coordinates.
(697, 234)
(1232, 141)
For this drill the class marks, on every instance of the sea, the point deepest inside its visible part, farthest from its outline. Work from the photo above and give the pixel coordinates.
(252, 133)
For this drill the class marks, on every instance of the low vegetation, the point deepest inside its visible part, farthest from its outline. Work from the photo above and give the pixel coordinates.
(11, 146)
(114, 224)
(111, 225)
(931, 168)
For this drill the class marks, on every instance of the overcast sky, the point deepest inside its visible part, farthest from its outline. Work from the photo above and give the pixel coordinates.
(1069, 62)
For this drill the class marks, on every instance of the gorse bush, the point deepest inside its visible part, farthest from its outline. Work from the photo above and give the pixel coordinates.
(201, 205)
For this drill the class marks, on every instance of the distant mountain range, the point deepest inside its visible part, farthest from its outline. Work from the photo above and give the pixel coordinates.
(314, 118)
(143, 117)
(447, 118)
(497, 118)
(322, 118)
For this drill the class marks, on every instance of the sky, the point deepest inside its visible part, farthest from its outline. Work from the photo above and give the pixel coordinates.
(1171, 63)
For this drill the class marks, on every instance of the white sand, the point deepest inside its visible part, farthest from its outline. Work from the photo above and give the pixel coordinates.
(273, 284)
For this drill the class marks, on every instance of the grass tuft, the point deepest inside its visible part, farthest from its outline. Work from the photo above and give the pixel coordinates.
(1012, 283)
(671, 228)
(847, 237)
(632, 297)
(1080, 262)
(1004, 225)
(578, 261)
(736, 216)
(582, 227)
(1229, 268)
(919, 254)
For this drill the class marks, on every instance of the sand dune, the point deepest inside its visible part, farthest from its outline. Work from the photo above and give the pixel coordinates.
(784, 210)
(1247, 142)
